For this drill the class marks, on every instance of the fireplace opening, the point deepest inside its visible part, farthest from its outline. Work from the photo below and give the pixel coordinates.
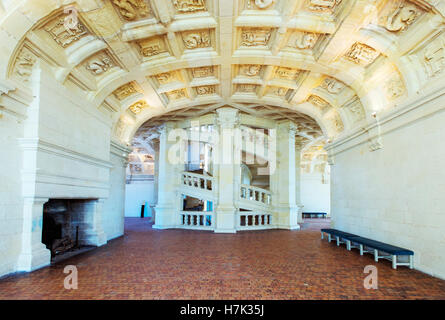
(63, 226)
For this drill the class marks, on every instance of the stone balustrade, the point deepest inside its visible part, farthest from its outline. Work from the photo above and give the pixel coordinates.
(251, 220)
(255, 194)
(196, 180)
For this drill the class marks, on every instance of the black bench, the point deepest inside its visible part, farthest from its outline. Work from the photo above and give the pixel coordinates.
(317, 214)
(353, 241)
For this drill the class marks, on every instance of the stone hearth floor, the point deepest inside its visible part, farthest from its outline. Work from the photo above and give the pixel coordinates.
(180, 264)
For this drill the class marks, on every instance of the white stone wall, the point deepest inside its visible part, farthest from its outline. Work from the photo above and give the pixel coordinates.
(136, 195)
(396, 194)
(10, 193)
(315, 195)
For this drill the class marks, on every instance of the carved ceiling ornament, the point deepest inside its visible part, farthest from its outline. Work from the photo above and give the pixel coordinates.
(323, 5)
(247, 88)
(332, 85)
(404, 15)
(205, 90)
(63, 35)
(189, 6)
(125, 91)
(318, 102)
(278, 91)
(304, 40)
(166, 77)
(133, 9)
(259, 4)
(286, 73)
(395, 87)
(177, 94)
(434, 57)
(250, 70)
(99, 64)
(203, 72)
(196, 39)
(138, 106)
(152, 46)
(362, 54)
(255, 37)
(24, 65)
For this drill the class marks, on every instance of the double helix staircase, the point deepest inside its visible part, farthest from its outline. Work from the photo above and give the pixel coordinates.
(254, 204)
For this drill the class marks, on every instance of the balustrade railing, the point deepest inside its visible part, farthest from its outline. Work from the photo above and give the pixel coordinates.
(256, 194)
(196, 180)
(196, 220)
(250, 220)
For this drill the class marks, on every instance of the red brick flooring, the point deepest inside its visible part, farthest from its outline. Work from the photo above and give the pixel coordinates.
(180, 264)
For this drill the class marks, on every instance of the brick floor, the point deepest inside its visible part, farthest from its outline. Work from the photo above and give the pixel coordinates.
(180, 264)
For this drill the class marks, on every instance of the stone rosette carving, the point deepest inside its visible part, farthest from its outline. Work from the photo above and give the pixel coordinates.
(166, 77)
(362, 54)
(259, 4)
(303, 40)
(395, 87)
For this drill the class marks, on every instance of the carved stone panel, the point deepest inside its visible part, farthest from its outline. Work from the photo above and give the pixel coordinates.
(434, 57)
(189, 6)
(125, 91)
(176, 94)
(318, 102)
(131, 10)
(196, 39)
(152, 46)
(259, 4)
(302, 40)
(247, 88)
(286, 73)
(99, 63)
(138, 106)
(203, 72)
(205, 90)
(250, 70)
(402, 16)
(24, 65)
(65, 34)
(362, 54)
(255, 37)
(332, 85)
(323, 5)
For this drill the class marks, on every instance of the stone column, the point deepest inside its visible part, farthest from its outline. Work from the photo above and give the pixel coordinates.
(167, 207)
(34, 253)
(286, 209)
(226, 169)
(298, 183)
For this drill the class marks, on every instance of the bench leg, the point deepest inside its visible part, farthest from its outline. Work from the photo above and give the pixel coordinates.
(348, 245)
(329, 237)
(376, 255)
(322, 237)
(338, 241)
(411, 262)
(394, 261)
(361, 249)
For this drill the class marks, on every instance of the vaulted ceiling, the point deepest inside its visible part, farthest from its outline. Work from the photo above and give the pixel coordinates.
(337, 63)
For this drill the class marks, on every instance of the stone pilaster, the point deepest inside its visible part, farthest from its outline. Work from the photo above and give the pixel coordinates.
(226, 169)
(34, 253)
(168, 202)
(285, 186)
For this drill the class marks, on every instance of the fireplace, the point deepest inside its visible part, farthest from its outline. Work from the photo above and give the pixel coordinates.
(67, 224)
